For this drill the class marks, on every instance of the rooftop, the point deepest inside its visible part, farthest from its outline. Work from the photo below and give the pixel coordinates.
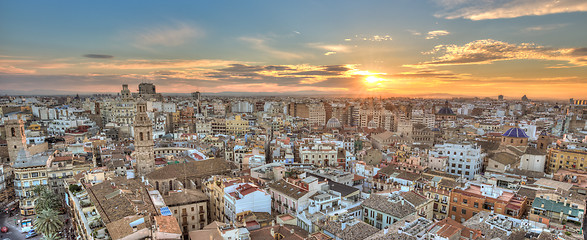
(185, 196)
(393, 206)
(347, 228)
(288, 189)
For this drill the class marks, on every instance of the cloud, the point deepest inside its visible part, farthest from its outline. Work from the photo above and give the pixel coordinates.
(160, 64)
(166, 35)
(414, 32)
(483, 10)
(436, 33)
(261, 45)
(489, 50)
(91, 55)
(331, 49)
(15, 70)
(371, 38)
(546, 27)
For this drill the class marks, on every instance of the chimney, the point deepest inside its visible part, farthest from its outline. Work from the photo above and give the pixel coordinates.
(291, 231)
(385, 230)
(272, 233)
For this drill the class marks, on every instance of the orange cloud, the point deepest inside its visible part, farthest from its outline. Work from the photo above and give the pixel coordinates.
(482, 10)
(489, 50)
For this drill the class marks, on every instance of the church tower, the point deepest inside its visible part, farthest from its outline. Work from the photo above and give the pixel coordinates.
(15, 138)
(144, 155)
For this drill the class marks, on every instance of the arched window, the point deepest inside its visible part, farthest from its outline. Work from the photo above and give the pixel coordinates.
(511, 140)
(141, 136)
(157, 186)
(13, 131)
(170, 185)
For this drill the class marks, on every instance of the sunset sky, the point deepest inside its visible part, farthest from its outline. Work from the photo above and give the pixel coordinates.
(431, 48)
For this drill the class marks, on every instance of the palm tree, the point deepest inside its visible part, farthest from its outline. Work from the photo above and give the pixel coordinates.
(52, 236)
(48, 222)
(46, 199)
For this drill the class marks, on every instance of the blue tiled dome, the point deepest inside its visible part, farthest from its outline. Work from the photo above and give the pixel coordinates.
(515, 132)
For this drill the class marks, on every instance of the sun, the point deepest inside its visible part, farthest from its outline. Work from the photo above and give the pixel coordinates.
(372, 80)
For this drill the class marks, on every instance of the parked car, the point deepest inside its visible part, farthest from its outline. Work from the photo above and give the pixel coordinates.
(27, 229)
(4, 229)
(30, 235)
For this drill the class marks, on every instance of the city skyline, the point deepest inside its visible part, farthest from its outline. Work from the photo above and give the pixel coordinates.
(440, 48)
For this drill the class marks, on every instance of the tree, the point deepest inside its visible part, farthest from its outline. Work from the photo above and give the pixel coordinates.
(52, 236)
(48, 222)
(74, 188)
(46, 199)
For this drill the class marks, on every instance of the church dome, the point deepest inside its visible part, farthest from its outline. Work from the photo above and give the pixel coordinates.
(445, 110)
(333, 123)
(515, 132)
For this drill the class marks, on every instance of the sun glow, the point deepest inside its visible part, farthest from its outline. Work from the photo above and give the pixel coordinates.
(373, 80)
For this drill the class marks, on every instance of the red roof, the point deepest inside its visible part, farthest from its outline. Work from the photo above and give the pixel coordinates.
(246, 189)
(357, 178)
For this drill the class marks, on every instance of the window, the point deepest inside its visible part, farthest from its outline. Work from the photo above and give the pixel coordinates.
(464, 201)
(454, 209)
(455, 199)
(192, 209)
(463, 211)
(476, 205)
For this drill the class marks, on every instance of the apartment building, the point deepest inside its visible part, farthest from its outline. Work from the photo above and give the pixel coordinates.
(244, 197)
(463, 160)
(558, 208)
(29, 172)
(566, 158)
(476, 197)
(318, 154)
(189, 207)
(381, 211)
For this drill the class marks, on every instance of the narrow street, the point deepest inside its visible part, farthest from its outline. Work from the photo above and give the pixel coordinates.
(13, 228)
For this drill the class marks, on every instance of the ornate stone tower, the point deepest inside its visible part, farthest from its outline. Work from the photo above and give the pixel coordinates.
(15, 138)
(144, 154)
(125, 92)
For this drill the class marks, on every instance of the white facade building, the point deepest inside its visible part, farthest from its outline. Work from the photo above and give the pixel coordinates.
(463, 160)
(242, 107)
(244, 197)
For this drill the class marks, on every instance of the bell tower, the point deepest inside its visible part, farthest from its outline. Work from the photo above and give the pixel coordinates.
(15, 138)
(144, 155)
